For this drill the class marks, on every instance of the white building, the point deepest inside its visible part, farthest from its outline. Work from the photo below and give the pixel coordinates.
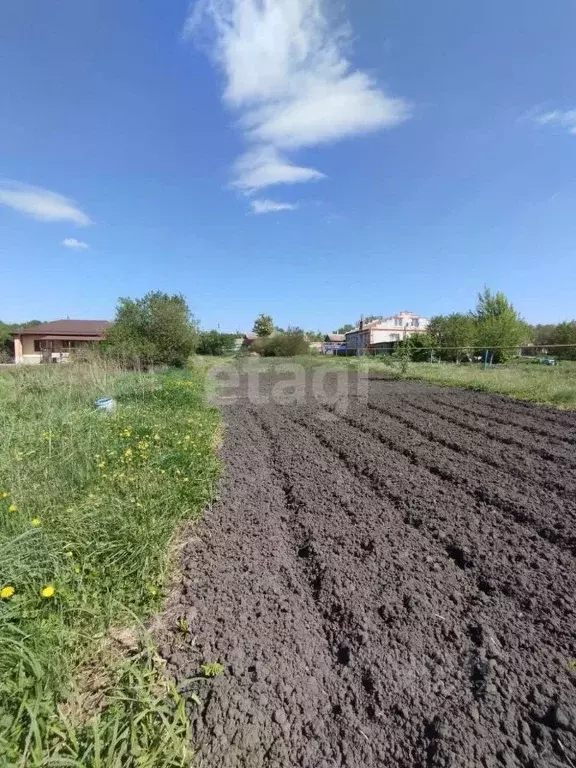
(386, 330)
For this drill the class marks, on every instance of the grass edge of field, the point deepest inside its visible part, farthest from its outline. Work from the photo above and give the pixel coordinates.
(140, 717)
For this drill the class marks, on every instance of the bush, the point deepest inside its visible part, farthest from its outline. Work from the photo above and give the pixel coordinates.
(216, 343)
(288, 344)
(158, 329)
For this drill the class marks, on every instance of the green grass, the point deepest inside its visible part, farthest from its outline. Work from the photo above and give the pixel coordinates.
(92, 502)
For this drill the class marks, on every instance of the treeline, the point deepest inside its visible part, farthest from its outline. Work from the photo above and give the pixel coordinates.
(159, 329)
(494, 329)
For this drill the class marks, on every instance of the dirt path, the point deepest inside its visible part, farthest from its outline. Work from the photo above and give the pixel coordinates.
(390, 585)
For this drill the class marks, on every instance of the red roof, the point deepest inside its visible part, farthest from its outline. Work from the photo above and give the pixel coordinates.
(72, 328)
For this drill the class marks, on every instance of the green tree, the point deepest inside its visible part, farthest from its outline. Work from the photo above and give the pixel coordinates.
(457, 331)
(543, 334)
(345, 328)
(158, 329)
(263, 325)
(498, 324)
(564, 333)
(216, 343)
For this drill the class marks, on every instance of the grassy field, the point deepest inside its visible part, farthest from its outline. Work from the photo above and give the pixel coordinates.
(524, 380)
(89, 504)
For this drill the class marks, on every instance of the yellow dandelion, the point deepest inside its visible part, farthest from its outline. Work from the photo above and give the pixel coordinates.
(36, 522)
(48, 591)
(77, 569)
(13, 508)
(6, 592)
(70, 554)
(4, 494)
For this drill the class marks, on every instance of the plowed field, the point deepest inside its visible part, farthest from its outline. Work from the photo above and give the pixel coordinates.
(391, 583)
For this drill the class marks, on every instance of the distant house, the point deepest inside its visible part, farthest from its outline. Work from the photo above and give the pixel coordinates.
(334, 343)
(54, 342)
(385, 332)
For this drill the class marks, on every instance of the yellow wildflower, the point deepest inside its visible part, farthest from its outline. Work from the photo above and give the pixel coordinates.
(156, 437)
(101, 464)
(69, 554)
(4, 494)
(13, 508)
(77, 569)
(6, 592)
(36, 522)
(128, 453)
(48, 591)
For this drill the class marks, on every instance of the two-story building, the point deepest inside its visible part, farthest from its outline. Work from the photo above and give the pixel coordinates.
(384, 332)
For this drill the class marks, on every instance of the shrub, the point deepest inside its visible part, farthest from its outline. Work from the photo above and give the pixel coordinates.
(216, 343)
(158, 329)
(283, 345)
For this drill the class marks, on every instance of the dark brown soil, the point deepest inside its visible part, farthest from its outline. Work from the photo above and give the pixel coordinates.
(391, 584)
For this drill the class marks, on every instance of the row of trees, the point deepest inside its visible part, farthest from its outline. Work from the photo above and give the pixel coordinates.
(494, 328)
(264, 326)
(159, 329)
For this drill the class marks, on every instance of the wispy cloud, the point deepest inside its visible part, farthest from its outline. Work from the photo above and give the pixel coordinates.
(561, 118)
(270, 206)
(41, 204)
(77, 245)
(264, 166)
(291, 83)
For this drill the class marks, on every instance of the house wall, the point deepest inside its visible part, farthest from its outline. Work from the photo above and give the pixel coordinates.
(388, 330)
(30, 357)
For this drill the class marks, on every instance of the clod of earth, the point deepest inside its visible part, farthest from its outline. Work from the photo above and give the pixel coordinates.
(392, 586)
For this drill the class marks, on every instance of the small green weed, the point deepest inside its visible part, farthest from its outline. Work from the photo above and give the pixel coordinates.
(213, 669)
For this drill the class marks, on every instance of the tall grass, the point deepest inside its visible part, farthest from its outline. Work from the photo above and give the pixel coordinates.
(89, 503)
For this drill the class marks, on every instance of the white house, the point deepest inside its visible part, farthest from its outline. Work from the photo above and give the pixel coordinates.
(385, 330)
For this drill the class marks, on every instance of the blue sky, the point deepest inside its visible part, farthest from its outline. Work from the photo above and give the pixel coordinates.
(270, 156)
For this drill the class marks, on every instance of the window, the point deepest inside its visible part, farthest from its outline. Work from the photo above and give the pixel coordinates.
(398, 322)
(415, 322)
(395, 336)
(39, 345)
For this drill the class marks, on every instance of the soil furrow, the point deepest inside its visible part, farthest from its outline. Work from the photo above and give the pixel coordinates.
(433, 429)
(481, 411)
(503, 439)
(376, 597)
(488, 485)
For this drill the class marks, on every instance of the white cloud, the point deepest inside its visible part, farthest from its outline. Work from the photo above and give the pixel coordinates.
(564, 119)
(290, 81)
(71, 242)
(41, 204)
(270, 206)
(264, 166)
